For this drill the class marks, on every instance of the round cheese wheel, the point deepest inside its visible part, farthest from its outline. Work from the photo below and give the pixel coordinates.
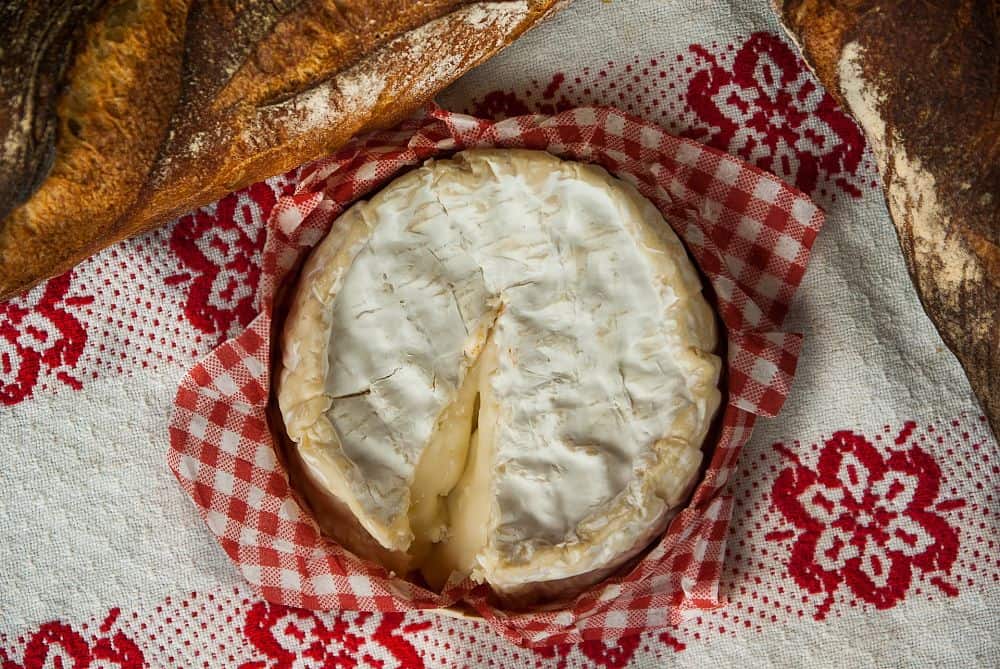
(500, 368)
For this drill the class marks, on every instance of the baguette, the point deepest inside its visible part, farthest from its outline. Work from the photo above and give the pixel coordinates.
(118, 115)
(923, 81)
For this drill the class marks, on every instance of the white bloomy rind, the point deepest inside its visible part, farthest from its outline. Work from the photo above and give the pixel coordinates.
(594, 395)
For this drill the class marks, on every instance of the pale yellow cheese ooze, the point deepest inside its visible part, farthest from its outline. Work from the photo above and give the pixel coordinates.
(441, 467)
(466, 504)
(499, 367)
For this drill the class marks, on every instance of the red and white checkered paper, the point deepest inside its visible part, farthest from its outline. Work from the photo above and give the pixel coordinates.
(749, 233)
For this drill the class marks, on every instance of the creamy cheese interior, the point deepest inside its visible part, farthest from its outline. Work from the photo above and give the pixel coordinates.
(501, 366)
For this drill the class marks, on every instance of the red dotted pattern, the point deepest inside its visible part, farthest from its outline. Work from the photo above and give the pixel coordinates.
(234, 629)
(163, 298)
(761, 561)
(756, 100)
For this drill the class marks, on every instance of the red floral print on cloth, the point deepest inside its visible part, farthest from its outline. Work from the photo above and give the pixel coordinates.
(865, 519)
(769, 110)
(504, 104)
(219, 250)
(41, 335)
(57, 645)
(290, 637)
(755, 99)
(594, 653)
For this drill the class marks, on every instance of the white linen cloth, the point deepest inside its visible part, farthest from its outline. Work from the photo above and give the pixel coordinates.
(865, 530)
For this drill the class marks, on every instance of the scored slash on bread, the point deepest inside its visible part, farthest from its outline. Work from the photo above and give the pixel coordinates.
(117, 116)
(923, 81)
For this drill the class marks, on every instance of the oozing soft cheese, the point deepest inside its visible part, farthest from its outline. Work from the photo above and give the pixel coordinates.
(500, 365)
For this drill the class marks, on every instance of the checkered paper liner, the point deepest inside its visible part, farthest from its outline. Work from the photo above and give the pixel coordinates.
(748, 232)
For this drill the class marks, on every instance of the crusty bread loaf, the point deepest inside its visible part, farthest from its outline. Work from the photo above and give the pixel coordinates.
(117, 115)
(923, 81)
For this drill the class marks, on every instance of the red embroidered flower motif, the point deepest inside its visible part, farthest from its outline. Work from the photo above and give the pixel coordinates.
(40, 335)
(865, 519)
(599, 654)
(298, 638)
(220, 251)
(58, 645)
(769, 110)
(505, 104)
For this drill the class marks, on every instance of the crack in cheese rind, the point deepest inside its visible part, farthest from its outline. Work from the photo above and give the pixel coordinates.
(301, 388)
(603, 383)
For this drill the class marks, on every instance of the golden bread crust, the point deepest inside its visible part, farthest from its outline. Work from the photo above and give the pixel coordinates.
(923, 80)
(170, 104)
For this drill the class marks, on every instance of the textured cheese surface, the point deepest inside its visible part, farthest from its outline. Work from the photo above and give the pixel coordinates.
(589, 408)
